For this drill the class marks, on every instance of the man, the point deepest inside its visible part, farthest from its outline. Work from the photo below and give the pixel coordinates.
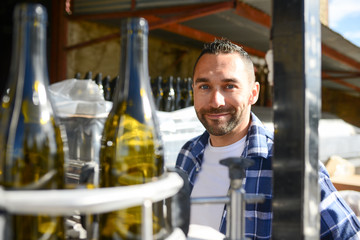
(224, 89)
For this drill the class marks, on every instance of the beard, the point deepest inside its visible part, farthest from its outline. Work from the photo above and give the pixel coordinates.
(220, 127)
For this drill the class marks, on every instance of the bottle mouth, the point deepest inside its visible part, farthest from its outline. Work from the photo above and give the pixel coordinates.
(135, 24)
(29, 11)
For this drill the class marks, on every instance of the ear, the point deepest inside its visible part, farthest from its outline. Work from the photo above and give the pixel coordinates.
(254, 94)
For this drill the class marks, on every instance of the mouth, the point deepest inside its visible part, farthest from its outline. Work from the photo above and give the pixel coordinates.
(216, 116)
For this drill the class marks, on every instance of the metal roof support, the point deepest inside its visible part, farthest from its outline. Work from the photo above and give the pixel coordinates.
(246, 11)
(297, 99)
(255, 15)
(340, 81)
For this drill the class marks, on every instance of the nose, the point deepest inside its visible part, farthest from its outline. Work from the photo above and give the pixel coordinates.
(217, 99)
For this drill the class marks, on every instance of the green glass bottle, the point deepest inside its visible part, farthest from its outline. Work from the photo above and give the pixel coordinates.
(31, 142)
(131, 147)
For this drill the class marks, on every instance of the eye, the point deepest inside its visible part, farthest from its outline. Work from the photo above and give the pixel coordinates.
(204, 87)
(230, 86)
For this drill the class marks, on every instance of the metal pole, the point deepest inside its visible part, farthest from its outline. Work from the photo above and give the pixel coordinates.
(237, 208)
(297, 79)
(147, 224)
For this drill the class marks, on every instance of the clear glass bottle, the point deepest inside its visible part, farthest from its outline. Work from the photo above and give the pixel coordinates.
(31, 142)
(131, 147)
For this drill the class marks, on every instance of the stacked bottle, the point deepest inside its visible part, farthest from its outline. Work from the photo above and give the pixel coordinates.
(172, 94)
(169, 93)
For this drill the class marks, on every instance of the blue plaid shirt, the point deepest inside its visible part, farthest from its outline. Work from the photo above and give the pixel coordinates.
(337, 220)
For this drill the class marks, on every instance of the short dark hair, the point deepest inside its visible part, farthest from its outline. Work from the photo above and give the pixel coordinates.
(224, 45)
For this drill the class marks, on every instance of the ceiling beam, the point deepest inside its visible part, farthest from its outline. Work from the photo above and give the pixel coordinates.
(340, 81)
(169, 24)
(188, 12)
(146, 12)
(255, 15)
(332, 53)
(192, 14)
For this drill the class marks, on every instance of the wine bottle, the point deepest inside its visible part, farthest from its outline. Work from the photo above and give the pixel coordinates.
(178, 93)
(88, 75)
(113, 83)
(187, 99)
(77, 75)
(98, 81)
(131, 147)
(190, 92)
(184, 93)
(169, 95)
(107, 88)
(158, 93)
(32, 147)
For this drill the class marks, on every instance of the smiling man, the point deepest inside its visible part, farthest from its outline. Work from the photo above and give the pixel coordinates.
(224, 89)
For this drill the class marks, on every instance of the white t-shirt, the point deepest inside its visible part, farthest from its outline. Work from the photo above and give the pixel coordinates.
(213, 181)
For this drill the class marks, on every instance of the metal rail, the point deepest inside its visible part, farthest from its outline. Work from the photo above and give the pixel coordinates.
(92, 201)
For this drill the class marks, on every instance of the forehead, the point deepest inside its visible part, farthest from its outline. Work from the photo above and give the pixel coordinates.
(220, 63)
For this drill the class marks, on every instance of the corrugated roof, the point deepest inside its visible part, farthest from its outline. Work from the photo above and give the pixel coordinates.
(340, 58)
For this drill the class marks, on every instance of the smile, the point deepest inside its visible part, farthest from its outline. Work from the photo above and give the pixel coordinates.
(216, 116)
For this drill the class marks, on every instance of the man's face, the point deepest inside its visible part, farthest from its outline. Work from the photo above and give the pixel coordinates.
(223, 93)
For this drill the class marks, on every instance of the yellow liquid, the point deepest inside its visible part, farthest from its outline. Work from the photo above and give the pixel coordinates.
(129, 156)
(33, 160)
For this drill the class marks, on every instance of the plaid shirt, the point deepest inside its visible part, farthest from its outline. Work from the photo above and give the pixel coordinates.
(337, 220)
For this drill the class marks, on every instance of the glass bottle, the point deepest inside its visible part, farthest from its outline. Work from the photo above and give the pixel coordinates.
(107, 88)
(169, 95)
(187, 99)
(178, 93)
(184, 94)
(98, 81)
(113, 83)
(88, 75)
(77, 75)
(131, 147)
(190, 92)
(158, 92)
(31, 141)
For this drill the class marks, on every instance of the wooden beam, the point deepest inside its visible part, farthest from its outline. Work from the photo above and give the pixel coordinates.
(57, 65)
(334, 54)
(170, 24)
(145, 12)
(253, 14)
(199, 35)
(340, 81)
(93, 41)
(340, 74)
(196, 13)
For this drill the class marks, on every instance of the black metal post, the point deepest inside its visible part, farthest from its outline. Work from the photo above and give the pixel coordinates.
(297, 98)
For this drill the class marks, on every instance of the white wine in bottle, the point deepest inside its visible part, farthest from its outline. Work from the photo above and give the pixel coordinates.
(131, 147)
(31, 142)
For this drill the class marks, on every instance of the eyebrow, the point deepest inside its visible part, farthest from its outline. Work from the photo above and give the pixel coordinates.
(205, 80)
(201, 80)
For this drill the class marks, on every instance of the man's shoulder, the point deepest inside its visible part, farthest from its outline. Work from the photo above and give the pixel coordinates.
(191, 149)
(198, 141)
(258, 128)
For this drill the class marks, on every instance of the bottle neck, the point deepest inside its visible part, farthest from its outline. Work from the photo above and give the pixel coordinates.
(29, 45)
(134, 83)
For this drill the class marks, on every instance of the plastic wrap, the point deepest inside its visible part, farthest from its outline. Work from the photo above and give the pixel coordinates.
(82, 110)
